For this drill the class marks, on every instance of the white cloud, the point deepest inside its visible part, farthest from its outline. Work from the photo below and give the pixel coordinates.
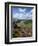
(23, 16)
(22, 10)
(20, 15)
(16, 15)
(29, 15)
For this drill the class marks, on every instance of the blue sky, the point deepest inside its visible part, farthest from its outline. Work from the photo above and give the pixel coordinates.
(22, 12)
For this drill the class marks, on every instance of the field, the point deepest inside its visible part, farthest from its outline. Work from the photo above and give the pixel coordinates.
(22, 28)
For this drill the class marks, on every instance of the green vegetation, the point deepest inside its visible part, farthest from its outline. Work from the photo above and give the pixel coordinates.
(25, 24)
(23, 29)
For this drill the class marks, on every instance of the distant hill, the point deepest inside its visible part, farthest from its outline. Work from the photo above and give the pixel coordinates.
(15, 19)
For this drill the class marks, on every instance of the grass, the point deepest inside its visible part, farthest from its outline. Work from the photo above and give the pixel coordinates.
(23, 29)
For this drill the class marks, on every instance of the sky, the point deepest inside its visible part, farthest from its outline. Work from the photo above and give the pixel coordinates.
(22, 12)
